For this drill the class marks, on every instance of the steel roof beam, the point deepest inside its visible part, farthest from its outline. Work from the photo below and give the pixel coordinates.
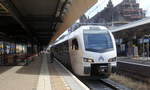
(15, 14)
(77, 8)
(60, 14)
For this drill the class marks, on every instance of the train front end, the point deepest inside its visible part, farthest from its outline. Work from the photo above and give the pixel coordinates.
(99, 58)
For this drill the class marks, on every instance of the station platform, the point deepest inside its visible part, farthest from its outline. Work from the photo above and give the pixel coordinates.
(137, 69)
(140, 60)
(40, 74)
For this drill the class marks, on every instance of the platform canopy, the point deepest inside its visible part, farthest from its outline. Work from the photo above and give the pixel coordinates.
(134, 29)
(39, 21)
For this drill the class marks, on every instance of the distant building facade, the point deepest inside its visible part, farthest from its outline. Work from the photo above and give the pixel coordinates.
(125, 12)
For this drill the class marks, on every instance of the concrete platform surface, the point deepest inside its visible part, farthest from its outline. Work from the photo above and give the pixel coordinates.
(62, 79)
(39, 75)
(20, 77)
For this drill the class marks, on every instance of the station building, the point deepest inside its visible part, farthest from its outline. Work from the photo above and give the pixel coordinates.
(125, 12)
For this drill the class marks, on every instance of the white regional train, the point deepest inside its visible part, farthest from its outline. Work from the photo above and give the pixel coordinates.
(88, 51)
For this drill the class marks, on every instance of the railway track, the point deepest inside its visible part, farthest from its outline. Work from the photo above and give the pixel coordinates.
(103, 84)
(113, 85)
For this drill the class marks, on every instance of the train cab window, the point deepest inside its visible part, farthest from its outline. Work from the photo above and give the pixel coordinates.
(75, 45)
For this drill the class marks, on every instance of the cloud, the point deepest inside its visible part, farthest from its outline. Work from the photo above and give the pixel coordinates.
(145, 4)
(116, 2)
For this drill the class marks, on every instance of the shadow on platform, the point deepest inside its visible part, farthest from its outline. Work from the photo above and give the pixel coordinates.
(5, 68)
(56, 70)
(35, 66)
(32, 68)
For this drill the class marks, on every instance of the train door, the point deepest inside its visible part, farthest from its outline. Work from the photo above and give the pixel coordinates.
(75, 55)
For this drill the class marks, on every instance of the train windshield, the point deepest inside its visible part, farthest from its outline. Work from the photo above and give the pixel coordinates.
(97, 41)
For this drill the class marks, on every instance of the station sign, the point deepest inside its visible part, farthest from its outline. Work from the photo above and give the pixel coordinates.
(144, 40)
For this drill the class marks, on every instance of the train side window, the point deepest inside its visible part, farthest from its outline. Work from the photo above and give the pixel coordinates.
(75, 45)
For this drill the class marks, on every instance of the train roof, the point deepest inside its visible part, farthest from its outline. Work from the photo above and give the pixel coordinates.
(78, 25)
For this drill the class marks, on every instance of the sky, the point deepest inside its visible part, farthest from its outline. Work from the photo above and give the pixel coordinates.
(145, 4)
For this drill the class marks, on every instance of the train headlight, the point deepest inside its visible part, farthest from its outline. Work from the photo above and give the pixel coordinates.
(112, 59)
(88, 60)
